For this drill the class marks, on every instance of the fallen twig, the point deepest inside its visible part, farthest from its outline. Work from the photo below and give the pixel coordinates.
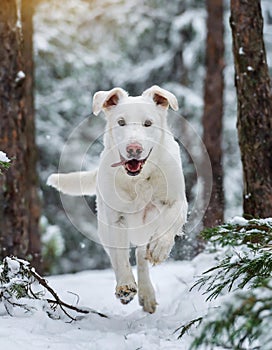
(16, 282)
(60, 302)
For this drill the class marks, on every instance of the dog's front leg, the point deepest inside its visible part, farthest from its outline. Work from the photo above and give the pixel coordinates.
(115, 240)
(126, 286)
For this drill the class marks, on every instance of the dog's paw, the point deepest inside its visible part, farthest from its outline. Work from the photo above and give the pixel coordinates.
(148, 302)
(158, 250)
(126, 292)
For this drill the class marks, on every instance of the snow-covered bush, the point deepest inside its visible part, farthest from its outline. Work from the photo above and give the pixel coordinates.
(22, 288)
(53, 245)
(243, 274)
(16, 285)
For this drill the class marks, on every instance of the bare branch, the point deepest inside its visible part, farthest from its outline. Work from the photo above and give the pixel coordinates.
(57, 299)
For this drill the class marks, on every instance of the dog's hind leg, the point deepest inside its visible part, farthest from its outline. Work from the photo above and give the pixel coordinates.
(146, 293)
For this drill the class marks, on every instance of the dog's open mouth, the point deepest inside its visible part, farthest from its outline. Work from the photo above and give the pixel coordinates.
(133, 166)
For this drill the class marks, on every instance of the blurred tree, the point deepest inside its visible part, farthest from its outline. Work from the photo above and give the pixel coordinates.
(253, 88)
(34, 248)
(19, 211)
(213, 108)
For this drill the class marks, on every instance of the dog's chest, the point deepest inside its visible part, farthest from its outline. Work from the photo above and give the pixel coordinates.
(143, 190)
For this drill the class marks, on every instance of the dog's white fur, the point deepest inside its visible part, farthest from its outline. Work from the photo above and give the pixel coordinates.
(148, 209)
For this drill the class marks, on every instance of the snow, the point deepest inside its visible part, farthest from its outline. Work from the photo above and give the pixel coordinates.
(238, 220)
(3, 157)
(13, 265)
(241, 51)
(265, 221)
(20, 76)
(128, 327)
(19, 9)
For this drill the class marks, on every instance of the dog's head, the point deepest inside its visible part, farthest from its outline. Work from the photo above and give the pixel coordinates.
(135, 124)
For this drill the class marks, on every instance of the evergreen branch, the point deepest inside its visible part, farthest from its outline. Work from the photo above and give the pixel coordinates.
(187, 326)
(254, 233)
(251, 270)
(240, 322)
(4, 166)
(248, 261)
(245, 261)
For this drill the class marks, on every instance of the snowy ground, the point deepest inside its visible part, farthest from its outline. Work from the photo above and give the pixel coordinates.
(128, 327)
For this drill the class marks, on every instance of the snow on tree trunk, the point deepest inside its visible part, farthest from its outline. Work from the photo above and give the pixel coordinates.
(15, 138)
(213, 108)
(253, 88)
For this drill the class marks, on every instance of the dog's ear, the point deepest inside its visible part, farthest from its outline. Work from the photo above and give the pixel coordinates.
(107, 99)
(161, 97)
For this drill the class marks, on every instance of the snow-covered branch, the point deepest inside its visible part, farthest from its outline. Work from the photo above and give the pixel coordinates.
(243, 274)
(18, 286)
(4, 161)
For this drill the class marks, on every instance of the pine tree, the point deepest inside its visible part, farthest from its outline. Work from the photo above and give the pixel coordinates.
(243, 273)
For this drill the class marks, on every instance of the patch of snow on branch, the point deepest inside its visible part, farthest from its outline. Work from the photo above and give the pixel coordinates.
(3, 157)
(238, 220)
(14, 266)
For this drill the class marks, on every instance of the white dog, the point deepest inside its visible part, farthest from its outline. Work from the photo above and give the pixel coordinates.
(139, 186)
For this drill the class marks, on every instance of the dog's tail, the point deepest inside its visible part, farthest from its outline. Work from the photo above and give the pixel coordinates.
(81, 183)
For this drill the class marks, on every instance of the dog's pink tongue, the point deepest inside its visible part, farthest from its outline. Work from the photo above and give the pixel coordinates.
(114, 165)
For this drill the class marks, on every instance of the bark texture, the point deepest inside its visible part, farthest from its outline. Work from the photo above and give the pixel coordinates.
(34, 248)
(213, 108)
(254, 123)
(16, 135)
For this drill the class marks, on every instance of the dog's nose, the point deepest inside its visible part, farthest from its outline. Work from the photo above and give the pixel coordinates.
(134, 150)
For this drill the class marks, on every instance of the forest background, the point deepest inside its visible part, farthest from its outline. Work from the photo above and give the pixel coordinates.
(81, 47)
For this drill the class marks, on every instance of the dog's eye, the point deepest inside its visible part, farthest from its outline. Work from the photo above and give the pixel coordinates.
(122, 122)
(147, 123)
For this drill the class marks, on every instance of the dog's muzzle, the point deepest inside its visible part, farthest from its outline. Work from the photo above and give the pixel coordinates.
(133, 166)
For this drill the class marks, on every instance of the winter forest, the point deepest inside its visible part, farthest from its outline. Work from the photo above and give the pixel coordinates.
(57, 282)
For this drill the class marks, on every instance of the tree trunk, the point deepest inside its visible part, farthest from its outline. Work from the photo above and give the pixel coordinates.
(34, 248)
(254, 124)
(213, 108)
(16, 125)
